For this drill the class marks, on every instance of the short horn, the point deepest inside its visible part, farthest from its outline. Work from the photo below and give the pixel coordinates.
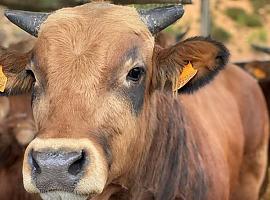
(28, 21)
(158, 19)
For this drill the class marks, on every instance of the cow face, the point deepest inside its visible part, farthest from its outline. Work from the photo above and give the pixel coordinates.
(93, 74)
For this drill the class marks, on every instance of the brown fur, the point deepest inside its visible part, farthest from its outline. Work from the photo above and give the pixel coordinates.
(14, 67)
(253, 67)
(17, 129)
(199, 146)
(11, 150)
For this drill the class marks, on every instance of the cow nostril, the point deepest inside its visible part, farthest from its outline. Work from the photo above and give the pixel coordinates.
(76, 167)
(34, 163)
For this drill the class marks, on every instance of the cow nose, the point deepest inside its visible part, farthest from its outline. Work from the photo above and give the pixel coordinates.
(57, 170)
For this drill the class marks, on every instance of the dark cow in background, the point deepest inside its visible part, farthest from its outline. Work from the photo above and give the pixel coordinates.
(17, 130)
(259, 69)
(110, 122)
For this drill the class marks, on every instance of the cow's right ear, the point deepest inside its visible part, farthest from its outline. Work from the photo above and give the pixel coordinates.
(14, 67)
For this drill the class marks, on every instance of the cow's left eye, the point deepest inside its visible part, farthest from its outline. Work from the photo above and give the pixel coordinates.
(31, 73)
(135, 74)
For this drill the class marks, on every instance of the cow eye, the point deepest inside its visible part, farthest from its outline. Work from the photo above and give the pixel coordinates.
(135, 74)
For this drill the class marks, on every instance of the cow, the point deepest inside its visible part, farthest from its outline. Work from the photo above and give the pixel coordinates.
(259, 69)
(119, 117)
(17, 129)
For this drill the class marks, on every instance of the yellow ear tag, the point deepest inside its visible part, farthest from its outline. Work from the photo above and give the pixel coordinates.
(186, 75)
(3, 79)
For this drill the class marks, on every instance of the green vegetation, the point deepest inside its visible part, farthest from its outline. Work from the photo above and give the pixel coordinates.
(235, 13)
(263, 35)
(257, 4)
(170, 29)
(220, 33)
(259, 36)
(242, 18)
(174, 29)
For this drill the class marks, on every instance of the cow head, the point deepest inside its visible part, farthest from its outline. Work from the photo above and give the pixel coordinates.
(93, 73)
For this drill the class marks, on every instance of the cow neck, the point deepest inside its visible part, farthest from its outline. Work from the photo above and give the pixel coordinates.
(170, 167)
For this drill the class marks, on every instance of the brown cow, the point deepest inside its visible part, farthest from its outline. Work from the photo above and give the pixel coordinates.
(260, 69)
(16, 131)
(110, 125)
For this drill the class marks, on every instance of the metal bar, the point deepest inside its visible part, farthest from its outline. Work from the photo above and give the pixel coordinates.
(205, 18)
(260, 48)
(242, 63)
(39, 5)
(151, 1)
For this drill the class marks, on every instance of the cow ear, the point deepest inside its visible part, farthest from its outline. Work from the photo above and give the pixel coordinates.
(188, 65)
(14, 76)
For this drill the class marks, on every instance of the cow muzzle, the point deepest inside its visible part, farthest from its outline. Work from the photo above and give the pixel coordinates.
(64, 167)
(57, 170)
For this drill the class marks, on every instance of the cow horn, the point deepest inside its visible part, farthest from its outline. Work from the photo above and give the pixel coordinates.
(158, 19)
(28, 21)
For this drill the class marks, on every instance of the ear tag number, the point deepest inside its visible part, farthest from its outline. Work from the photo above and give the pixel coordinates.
(186, 75)
(3, 79)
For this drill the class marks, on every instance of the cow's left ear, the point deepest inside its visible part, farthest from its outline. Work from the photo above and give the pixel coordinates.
(188, 65)
(15, 79)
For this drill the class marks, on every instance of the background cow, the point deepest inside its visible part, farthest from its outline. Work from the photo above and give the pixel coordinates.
(17, 129)
(108, 123)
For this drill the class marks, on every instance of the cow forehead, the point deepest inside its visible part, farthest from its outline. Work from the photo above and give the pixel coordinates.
(95, 18)
(91, 37)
